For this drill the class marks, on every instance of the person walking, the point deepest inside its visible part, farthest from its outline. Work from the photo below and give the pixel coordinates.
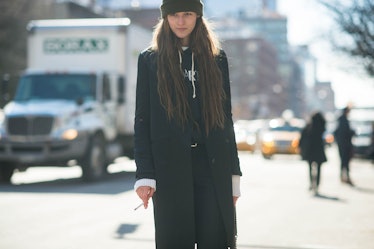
(312, 147)
(343, 137)
(185, 149)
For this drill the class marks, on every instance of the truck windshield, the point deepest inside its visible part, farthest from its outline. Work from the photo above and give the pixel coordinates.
(56, 86)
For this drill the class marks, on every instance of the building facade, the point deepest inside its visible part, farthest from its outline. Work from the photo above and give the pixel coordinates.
(253, 73)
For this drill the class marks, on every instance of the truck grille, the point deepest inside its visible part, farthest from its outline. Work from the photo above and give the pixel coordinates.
(30, 126)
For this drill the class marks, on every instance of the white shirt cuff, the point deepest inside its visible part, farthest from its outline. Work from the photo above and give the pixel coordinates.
(145, 182)
(236, 185)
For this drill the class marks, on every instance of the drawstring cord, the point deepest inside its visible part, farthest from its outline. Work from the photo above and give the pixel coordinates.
(192, 76)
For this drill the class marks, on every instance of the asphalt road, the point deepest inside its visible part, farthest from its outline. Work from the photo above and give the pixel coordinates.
(50, 208)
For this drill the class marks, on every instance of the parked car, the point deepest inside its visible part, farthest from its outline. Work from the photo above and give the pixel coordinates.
(362, 138)
(362, 120)
(281, 137)
(247, 133)
(245, 139)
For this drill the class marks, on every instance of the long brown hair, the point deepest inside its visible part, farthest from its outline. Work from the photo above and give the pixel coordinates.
(171, 86)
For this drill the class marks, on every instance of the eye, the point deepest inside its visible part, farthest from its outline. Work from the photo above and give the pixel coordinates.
(188, 13)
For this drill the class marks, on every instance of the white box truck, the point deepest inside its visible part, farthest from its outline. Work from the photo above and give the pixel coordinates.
(76, 100)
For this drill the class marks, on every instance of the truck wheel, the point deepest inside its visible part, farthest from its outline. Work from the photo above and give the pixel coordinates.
(94, 162)
(6, 172)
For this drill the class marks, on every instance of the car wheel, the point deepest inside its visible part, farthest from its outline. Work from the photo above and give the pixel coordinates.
(268, 157)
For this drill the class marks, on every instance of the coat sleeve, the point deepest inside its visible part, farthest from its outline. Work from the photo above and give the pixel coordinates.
(235, 166)
(142, 146)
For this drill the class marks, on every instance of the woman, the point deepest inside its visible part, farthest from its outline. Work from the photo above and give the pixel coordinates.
(185, 149)
(312, 148)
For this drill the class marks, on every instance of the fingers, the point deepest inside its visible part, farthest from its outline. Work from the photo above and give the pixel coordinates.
(144, 193)
(151, 192)
(235, 199)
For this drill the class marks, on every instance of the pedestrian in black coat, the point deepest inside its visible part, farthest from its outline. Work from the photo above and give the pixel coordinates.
(185, 149)
(343, 137)
(312, 148)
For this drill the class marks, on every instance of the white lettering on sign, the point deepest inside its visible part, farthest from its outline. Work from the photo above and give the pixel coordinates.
(75, 45)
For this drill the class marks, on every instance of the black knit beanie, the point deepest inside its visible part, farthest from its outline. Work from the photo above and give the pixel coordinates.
(173, 6)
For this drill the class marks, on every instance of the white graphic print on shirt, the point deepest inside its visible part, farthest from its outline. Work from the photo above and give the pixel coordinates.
(190, 75)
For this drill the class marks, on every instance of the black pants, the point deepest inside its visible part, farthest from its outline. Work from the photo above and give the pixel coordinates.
(314, 177)
(210, 231)
(345, 154)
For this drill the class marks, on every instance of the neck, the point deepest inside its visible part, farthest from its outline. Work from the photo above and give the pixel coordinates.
(185, 42)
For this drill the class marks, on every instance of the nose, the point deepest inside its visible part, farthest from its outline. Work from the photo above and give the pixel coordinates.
(180, 19)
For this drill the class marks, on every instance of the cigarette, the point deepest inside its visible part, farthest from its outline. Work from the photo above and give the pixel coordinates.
(141, 204)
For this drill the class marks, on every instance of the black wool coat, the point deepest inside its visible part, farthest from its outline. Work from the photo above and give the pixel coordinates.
(312, 145)
(343, 135)
(163, 152)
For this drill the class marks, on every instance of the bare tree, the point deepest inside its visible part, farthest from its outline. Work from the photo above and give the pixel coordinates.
(355, 34)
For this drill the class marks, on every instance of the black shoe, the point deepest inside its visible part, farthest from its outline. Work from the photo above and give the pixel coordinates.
(349, 182)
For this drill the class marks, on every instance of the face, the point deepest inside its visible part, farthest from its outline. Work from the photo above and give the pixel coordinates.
(182, 25)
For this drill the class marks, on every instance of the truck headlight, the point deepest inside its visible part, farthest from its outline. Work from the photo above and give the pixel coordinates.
(69, 134)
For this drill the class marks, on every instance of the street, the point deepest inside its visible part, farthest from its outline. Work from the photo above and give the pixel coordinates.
(50, 208)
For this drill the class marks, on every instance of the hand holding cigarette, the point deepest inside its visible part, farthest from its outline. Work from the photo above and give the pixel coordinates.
(144, 193)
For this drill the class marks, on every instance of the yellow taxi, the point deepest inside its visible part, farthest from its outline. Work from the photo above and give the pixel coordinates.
(281, 136)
